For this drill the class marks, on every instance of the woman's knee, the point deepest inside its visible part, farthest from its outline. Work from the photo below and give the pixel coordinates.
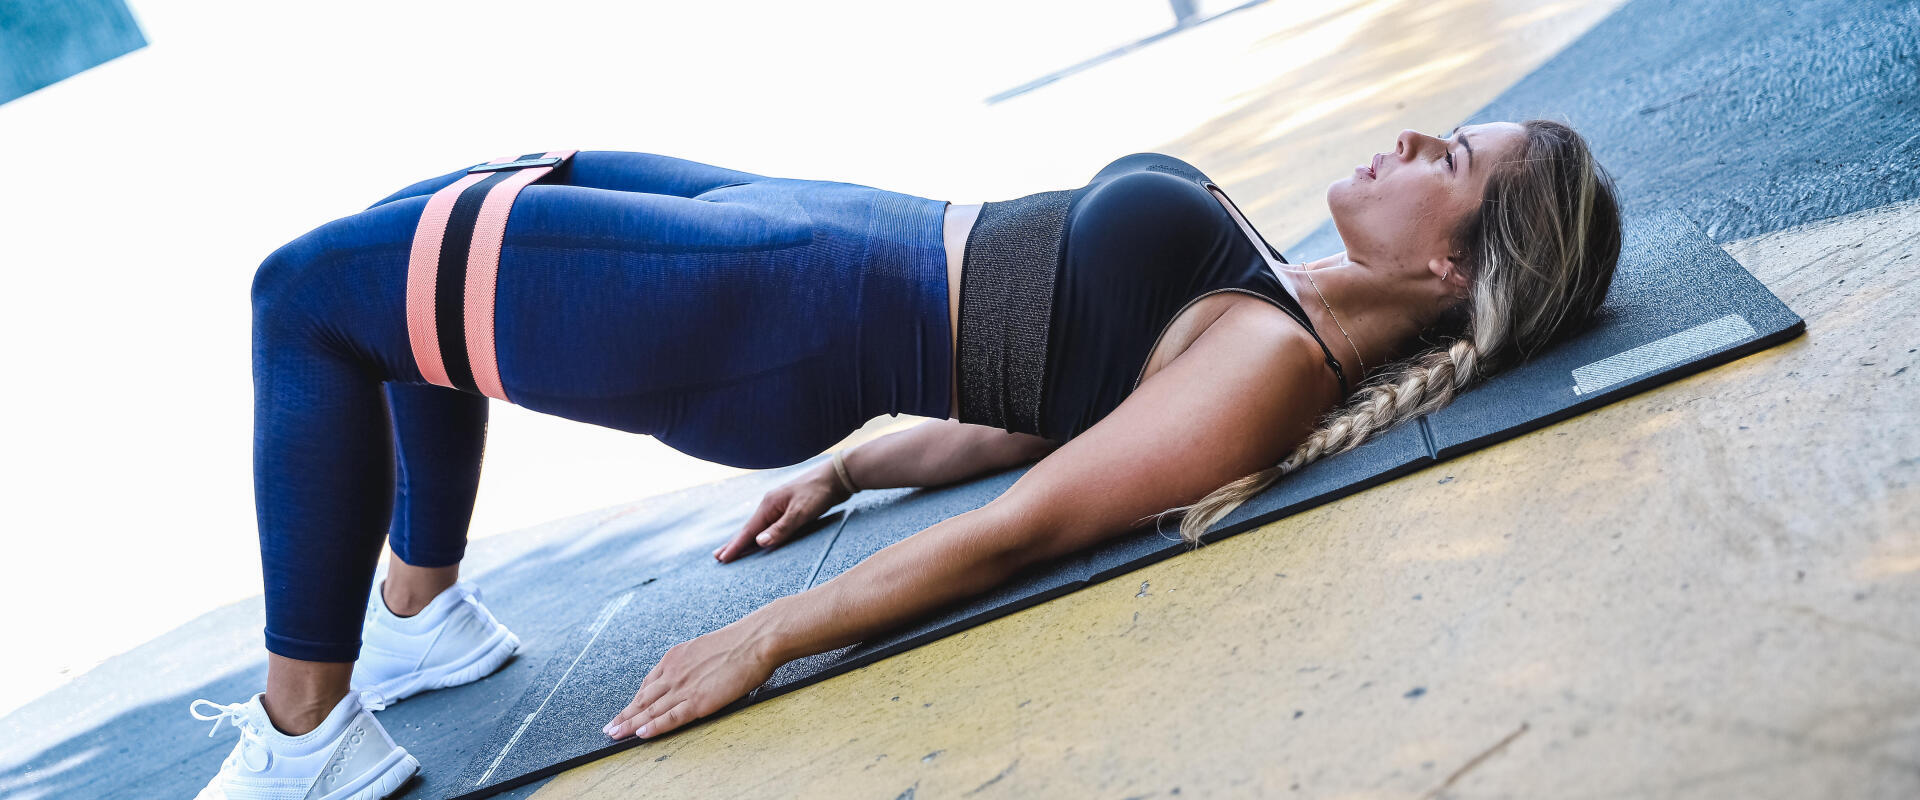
(273, 280)
(299, 271)
(290, 291)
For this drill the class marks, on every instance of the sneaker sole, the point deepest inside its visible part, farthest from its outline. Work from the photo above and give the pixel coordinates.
(481, 663)
(380, 781)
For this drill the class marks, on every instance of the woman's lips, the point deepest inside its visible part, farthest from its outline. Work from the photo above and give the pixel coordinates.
(1373, 169)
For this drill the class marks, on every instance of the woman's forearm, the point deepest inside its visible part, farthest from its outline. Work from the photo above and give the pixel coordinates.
(932, 454)
(923, 455)
(954, 559)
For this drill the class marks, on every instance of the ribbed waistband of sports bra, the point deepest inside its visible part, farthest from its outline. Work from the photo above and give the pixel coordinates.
(1007, 277)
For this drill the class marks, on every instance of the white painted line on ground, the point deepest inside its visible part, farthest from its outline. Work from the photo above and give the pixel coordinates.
(600, 621)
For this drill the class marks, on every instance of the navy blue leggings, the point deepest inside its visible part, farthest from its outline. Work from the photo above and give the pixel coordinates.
(740, 319)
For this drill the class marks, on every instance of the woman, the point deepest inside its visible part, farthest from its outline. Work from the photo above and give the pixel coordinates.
(754, 321)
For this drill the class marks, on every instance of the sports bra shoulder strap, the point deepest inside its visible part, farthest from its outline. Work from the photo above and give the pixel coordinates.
(1332, 363)
(1299, 316)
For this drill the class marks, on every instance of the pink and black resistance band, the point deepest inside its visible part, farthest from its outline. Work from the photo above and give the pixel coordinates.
(454, 265)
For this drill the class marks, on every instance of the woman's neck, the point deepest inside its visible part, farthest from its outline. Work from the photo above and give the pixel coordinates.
(1379, 311)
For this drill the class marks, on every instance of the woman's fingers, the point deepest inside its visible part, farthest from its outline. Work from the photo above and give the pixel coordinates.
(778, 533)
(676, 716)
(655, 710)
(651, 690)
(786, 515)
(664, 700)
(693, 679)
(676, 710)
(768, 511)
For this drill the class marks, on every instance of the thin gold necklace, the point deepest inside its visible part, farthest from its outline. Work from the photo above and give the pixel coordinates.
(1336, 321)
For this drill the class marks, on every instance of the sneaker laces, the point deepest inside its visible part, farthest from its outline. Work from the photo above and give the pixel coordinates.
(250, 739)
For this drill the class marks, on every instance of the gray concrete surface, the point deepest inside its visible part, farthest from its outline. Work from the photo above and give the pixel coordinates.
(1747, 117)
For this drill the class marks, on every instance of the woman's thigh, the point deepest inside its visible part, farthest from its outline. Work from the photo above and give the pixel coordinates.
(717, 326)
(605, 295)
(618, 170)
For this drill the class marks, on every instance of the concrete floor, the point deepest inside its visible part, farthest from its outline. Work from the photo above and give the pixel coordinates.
(1708, 590)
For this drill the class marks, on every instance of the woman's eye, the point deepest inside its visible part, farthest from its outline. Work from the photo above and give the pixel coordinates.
(1449, 160)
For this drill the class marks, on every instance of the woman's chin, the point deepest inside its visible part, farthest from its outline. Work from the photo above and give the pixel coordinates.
(1340, 192)
(1337, 193)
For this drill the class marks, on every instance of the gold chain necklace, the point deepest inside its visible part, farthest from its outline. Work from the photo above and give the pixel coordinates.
(1336, 321)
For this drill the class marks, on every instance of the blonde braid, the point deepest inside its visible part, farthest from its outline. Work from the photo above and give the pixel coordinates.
(1404, 390)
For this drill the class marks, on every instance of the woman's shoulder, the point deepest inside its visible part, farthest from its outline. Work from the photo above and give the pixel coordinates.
(1254, 355)
(1267, 330)
(1258, 330)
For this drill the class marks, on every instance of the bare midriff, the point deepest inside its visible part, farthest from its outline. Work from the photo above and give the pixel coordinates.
(1180, 333)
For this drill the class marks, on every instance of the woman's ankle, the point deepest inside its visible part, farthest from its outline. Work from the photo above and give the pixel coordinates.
(408, 589)
(300, 694)
(403, 602)
(296, 717)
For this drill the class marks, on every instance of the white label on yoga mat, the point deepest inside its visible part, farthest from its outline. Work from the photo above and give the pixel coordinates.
(1661, 353)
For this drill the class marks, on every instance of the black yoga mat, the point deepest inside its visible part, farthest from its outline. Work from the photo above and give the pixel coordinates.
(1679, 304)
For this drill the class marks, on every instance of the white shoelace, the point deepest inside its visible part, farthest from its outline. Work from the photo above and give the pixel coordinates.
(236, 713)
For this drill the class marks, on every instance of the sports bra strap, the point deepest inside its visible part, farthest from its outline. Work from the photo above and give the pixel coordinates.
(1332, 362)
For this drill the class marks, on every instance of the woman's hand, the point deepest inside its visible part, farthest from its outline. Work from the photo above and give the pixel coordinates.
(696, 678)
(784, 510)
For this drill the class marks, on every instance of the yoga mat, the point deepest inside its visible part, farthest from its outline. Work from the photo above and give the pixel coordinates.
(1679, 304)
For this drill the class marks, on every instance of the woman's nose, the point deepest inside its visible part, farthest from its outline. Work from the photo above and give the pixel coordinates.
(1410, 142)
(1407, 142)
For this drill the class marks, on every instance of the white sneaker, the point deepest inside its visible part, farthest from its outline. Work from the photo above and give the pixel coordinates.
(349, 757)
(454, 640)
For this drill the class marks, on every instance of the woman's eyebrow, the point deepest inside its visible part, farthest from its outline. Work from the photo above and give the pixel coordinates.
(1463, 143)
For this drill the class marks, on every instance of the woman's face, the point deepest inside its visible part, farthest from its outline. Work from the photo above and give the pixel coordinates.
(1401, 209)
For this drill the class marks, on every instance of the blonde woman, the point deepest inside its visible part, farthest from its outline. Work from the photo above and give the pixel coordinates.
(1135, 334)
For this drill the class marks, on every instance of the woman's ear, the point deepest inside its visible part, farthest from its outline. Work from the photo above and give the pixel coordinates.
(1450, 273)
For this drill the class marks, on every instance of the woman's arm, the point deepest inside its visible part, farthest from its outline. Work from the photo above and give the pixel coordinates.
(1235, 402)
(928, 454)
(939, 452)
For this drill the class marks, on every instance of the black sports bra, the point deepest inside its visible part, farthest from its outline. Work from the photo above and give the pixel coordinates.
(1064, 294)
